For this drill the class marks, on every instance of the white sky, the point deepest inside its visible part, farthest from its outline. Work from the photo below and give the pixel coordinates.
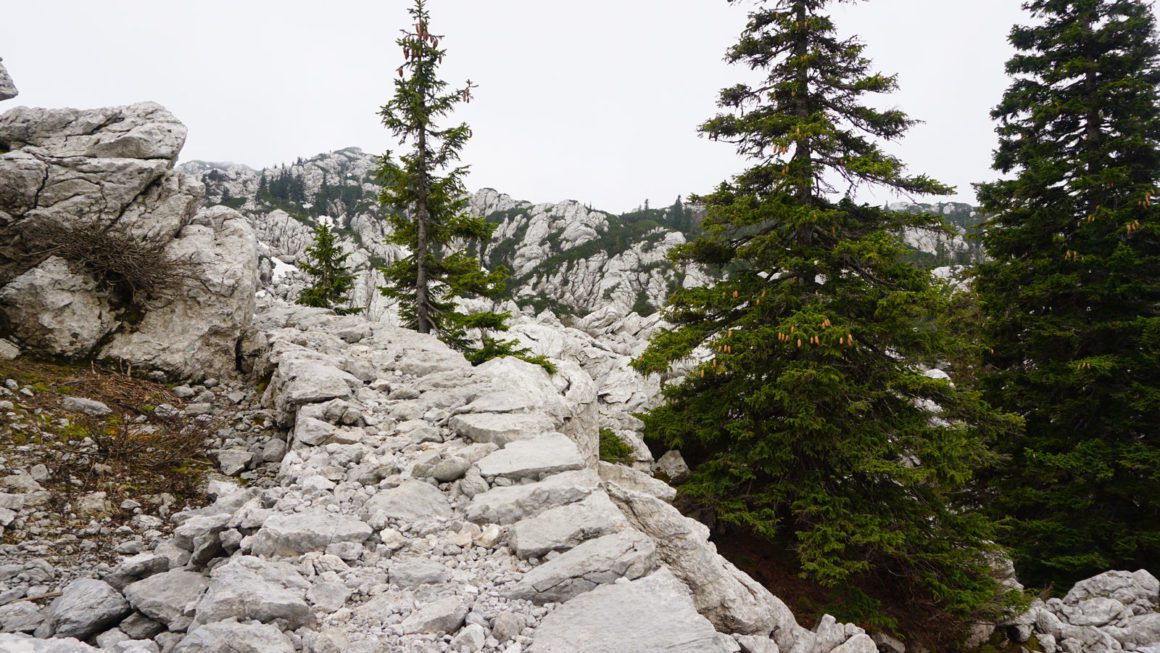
(594, 100)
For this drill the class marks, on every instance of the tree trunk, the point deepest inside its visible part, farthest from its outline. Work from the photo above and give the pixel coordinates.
(422, 219)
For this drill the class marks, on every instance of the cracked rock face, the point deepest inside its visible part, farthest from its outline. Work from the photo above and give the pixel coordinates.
(7, 86)
(72, 172)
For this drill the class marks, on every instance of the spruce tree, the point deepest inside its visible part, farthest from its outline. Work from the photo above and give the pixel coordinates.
(331, 282)
(1072, 293)
(427, 207)
(804, 409)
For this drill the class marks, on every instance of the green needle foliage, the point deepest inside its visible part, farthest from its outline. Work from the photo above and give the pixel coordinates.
(808, 419)
(331, 283)
(1072, 295)
(427, 206)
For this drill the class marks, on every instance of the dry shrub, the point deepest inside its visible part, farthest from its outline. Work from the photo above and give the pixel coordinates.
(139, 272)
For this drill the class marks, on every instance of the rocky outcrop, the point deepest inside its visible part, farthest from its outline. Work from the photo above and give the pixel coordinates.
(388, 529)
(7, 86)
(81, 190)
(1114, 611)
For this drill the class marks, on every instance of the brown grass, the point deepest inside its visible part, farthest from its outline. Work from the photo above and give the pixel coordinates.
(137, 452)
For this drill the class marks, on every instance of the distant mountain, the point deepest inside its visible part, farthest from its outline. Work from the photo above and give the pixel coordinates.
(567, 257)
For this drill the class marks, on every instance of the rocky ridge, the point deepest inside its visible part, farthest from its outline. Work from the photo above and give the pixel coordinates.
(426, 505)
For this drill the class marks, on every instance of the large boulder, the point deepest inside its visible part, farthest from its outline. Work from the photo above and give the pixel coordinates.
(84, 608)
(628, 554)
(651, 614)
(195, 335)
(96, 188)
(733, 601)
(55, 309)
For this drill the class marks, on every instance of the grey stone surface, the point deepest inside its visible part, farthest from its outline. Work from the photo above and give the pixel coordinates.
(298, 533)
(54, 309)
(637, 481)
(233, 637)
(562, 528)
(672, 466)
(20, 617)
(654, 613)
(507, 505)
(411, 501)
(627, 554)
(534, 458)
(443, 615)
(86, 406)
(247, 588)
(170, 598)
(733, 601)
(7, 86)
(84, 608)
(501, 428)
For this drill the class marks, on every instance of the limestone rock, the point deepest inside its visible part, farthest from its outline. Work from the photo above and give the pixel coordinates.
(84, 608)
(248, 588)
(535, 458)
(443, 615)
(562, 528)
(233, 637)
(7, 86)
(170, 598)
(53, 309)
(637, 481)
(19, 643)
(412, 501)
(298, 533)
(500, 428)
(733, 601)
(672, 467)
(507, 505)
(654, 613)
(627, 554)
(20, 617)
(139, 131)
(196, 335)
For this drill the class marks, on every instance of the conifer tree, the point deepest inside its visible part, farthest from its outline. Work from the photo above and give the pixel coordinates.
(1072, 293)
(427, 206)
(805, 412)
(331, 282)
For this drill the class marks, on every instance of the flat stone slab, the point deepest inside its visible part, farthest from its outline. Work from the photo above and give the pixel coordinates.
(562, 528)
(444, 615)
(536, 458)
(412, 501)
(170, 598)
(655, 613)
(501, 428)
(628, 554)
(234, 637)
(84, 608)
(636, 481)
(507, 505)
(298, 533)
(251, 589)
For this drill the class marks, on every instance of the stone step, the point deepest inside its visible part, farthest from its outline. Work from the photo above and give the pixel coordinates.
(534, 459)
(628, 554)
(562, 528)
(507, 505)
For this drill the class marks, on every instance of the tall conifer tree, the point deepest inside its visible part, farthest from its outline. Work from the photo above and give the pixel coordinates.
(427, 206)
(1072, 295)
(808, 418)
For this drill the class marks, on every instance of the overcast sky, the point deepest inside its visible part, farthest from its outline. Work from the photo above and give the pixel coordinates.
(596, 100)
